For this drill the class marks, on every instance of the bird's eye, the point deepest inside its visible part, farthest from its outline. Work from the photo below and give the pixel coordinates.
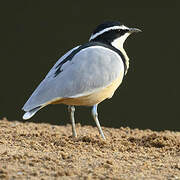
(120, 30)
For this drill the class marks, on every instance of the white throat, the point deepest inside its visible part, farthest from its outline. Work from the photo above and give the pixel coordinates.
(118, 43)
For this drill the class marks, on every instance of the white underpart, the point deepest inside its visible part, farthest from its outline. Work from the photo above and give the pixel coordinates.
(107, 29)
(118, 43)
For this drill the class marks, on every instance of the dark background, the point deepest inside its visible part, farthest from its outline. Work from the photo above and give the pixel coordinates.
(34, 34)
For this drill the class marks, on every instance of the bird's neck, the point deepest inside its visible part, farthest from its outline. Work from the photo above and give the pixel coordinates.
(118, 44)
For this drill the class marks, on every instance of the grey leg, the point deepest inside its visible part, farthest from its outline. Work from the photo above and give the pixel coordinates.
(95, 116)
(71, 109)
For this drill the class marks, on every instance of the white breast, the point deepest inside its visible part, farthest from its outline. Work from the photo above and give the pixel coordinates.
(118, 43)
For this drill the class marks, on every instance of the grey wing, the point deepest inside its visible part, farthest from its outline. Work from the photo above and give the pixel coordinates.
(89, 70)
(53, 69)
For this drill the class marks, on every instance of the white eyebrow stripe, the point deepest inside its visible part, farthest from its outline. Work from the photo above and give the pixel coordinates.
(106, 30)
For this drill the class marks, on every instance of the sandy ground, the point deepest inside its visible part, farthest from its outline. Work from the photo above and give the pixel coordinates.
(43, 151)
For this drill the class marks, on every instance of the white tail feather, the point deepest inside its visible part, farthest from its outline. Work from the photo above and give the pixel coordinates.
(31, 113)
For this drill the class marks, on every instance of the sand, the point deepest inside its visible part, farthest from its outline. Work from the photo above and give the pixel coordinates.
(43, 151)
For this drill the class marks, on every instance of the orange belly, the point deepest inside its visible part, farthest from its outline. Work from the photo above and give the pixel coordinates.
(94, 98)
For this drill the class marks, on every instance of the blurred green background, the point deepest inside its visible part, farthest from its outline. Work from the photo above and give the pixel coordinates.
(34, 34)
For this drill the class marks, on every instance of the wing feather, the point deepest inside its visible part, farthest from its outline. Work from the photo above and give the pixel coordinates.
(89, 70)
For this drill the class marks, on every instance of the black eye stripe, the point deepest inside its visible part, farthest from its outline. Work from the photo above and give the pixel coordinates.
(109, 36)
(123, 31)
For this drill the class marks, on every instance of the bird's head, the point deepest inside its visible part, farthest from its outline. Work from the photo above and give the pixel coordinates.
(113, 33)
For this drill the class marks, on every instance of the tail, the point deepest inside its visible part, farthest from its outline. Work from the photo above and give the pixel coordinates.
(31, 113)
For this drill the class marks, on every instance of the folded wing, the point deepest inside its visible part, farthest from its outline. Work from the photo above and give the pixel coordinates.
(89, 70)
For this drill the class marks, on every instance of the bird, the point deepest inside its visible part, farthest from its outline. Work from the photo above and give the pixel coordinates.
(86, 75)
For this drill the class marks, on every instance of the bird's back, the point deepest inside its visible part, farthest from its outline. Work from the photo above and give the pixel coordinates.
(90, 70)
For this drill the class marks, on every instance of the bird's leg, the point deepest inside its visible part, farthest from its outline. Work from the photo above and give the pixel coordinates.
(95, 116)
(71, 110)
